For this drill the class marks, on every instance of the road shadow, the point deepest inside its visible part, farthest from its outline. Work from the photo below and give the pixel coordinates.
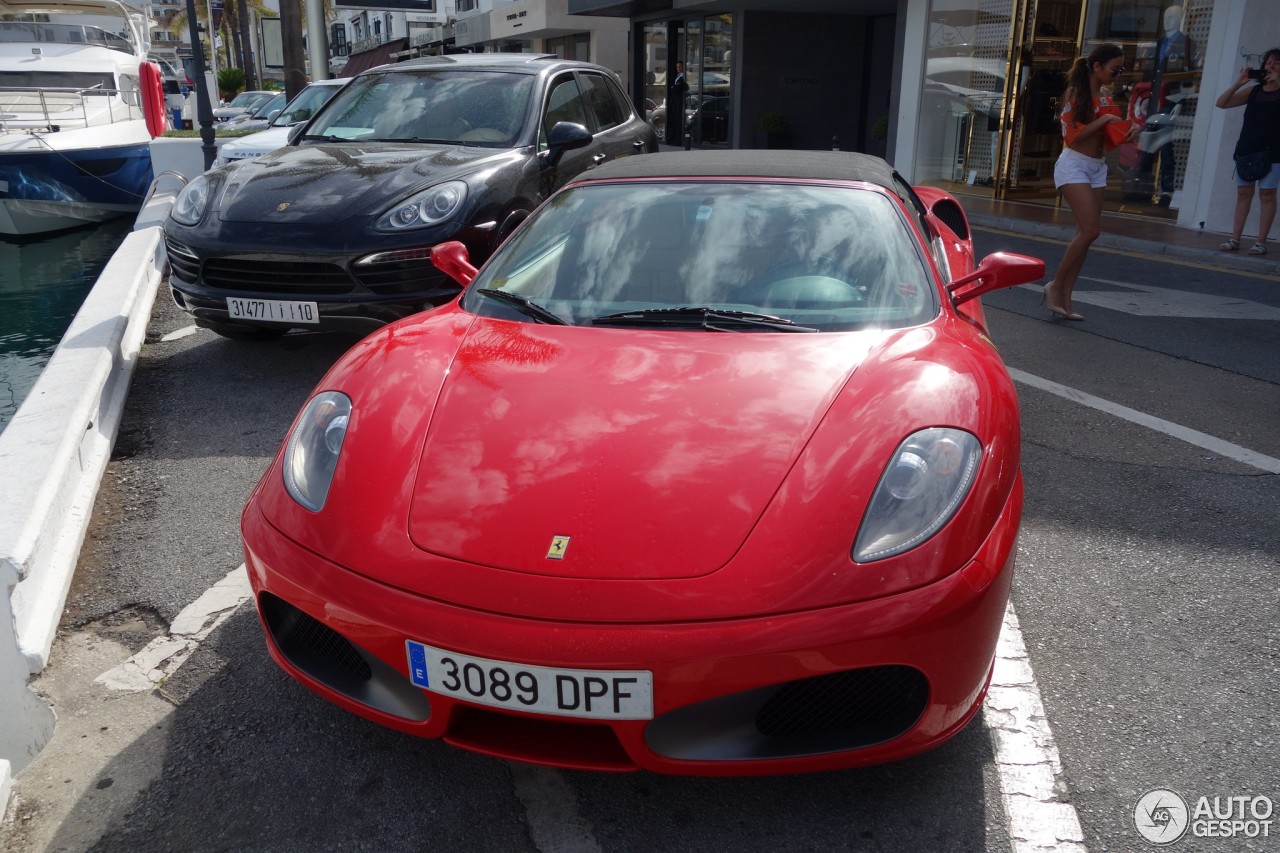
(252, 760)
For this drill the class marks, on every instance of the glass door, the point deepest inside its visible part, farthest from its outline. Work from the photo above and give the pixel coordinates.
(1048, 39)
(965, 94)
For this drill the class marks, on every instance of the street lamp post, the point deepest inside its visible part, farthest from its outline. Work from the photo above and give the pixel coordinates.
(204, 112)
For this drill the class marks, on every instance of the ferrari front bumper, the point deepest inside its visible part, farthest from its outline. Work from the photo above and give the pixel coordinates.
(842, 686)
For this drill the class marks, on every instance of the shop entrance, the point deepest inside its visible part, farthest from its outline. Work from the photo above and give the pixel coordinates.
(995, 74)
(688, 79)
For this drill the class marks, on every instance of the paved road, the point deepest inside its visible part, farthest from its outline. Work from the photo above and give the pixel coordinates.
(1146, 593)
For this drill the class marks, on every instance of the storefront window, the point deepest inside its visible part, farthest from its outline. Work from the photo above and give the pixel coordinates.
(995, 74)
(958, 141)
(654, 58)
(1164, 53)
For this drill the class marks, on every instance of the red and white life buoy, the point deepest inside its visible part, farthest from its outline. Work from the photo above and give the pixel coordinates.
(152, 89)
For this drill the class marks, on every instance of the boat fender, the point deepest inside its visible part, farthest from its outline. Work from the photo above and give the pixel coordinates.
(153, 98)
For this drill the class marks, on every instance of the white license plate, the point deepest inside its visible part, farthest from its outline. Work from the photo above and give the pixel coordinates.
(273, 310)
(607, 694)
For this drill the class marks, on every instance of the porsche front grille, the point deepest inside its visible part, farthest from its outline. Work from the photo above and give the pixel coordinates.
(259, 276)
(398, 277)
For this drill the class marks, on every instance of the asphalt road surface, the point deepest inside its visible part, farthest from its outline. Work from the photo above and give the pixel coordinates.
(1147, 590)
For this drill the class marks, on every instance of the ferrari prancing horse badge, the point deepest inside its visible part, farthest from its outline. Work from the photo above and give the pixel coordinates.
(559, 544)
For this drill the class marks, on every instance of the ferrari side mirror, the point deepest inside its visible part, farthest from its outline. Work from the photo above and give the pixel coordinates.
(996, 272)
(453, 260)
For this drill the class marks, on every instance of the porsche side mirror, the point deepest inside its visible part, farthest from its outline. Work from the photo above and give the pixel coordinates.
(453, 260)
(997, 271)
(565, 136)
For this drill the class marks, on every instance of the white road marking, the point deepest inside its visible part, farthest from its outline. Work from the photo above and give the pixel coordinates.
(1191, 436)
(186, 331)
(161, 658)
(551, 810)
(1026, 757)
(1142, 300)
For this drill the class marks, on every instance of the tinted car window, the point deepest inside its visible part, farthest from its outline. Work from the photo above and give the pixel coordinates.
(475, 107)
(608, 112)
(564, 103)
(824, 257)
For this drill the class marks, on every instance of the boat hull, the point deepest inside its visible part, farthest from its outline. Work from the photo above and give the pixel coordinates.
(43, 190)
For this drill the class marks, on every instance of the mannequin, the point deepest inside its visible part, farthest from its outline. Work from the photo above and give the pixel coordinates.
(1173, 54)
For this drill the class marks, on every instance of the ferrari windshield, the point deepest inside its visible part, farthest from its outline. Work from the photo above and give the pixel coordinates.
(741, 256)
(485, 108)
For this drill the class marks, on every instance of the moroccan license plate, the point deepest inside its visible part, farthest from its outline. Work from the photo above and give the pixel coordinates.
(273, 310)
(589, 693)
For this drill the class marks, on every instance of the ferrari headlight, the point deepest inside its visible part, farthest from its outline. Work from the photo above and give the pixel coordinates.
(189, 208)
(430, 207)
(311, 454)
(926, 481)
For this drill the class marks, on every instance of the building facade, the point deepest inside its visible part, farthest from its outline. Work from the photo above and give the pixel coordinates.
(961, 94)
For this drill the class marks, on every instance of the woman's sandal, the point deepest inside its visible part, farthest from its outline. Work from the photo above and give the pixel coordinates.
(1229, 246)
(1258, 249)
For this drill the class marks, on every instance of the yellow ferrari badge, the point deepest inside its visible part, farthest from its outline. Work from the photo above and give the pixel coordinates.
(559, 544)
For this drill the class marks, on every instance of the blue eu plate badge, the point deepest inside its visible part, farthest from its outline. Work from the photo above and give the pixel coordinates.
(418, 665)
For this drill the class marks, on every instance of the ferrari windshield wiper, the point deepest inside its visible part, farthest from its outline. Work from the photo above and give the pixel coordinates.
(523, 305)
(713, 319)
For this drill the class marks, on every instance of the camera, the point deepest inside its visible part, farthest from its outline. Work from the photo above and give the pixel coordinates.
(1257, 73)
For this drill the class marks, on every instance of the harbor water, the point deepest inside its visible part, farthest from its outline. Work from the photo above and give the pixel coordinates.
(43, 281)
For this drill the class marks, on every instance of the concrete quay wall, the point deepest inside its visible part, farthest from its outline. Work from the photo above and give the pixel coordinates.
(52, 458)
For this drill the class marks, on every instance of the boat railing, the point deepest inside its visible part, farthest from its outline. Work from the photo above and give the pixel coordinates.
(40, 32)
(53, 109)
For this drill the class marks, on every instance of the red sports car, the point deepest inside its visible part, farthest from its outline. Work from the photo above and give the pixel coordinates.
(711, 469)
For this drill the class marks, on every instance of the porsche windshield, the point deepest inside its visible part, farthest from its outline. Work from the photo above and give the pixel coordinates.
(485, 108)
(770, 255)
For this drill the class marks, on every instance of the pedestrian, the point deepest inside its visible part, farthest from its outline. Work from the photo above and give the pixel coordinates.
(677, 87)
(1259, 135)
(1091, 123)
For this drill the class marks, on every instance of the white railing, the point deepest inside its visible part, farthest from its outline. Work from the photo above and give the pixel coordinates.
(63, 109)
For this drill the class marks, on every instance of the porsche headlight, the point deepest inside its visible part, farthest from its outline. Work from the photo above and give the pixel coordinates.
(429, 207)
(926, 480)
(311, 454)
(191, 204)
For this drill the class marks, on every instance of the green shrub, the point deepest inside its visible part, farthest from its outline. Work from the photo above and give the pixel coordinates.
(230, 81)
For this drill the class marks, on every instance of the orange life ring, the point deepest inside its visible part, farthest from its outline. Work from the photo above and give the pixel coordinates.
(153, 109)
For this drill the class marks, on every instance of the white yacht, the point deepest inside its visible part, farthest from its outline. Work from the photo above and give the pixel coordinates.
(73, 117)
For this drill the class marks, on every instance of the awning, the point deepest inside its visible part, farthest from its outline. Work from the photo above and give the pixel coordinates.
(380, 55)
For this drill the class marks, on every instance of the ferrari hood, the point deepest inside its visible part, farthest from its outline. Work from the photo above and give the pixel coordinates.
(321, 184)
(602, 453)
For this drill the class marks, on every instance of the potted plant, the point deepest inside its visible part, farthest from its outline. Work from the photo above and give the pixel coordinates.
(776, 130)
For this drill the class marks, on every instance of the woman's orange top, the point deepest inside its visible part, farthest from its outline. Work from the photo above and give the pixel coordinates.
(1114, 132)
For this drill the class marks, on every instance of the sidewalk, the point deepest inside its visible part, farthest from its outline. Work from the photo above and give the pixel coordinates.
(1120, 231)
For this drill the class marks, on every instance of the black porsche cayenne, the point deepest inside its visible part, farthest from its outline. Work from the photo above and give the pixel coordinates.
(335, 230)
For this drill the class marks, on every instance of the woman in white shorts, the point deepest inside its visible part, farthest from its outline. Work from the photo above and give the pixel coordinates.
(1091, 123)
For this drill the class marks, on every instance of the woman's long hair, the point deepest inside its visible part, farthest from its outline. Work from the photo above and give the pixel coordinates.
(1079, 91)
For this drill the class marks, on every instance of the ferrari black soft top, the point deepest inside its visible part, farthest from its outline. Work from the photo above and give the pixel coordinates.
(747, 163)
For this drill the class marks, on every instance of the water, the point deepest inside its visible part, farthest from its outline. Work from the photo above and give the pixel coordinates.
(43, 280)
